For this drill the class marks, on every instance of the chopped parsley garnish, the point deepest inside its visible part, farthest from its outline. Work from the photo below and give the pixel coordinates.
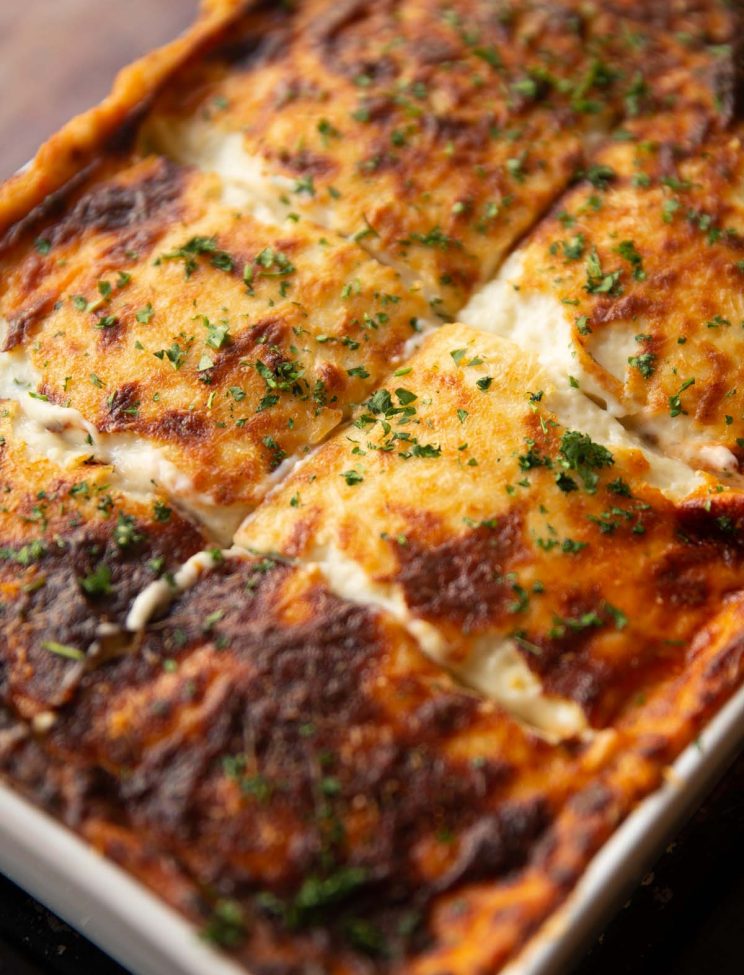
(108, 321)
(161, 511)
(63, 650)
(144, 315)
(675, 401)
(277, 453)
(600, 176)
(433, 238)
(217, 335)
(579, 453)
(98, 582)
(193, 249)
(532, 458)
(285, 376)
(226, 927)
(644, 363)
(597, 281)
(627, 250)
(125, 532)
(573, 249)
(272, 264)
(620, 487)
(176, 355)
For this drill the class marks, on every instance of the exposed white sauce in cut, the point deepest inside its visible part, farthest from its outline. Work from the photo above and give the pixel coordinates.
(63, 435)
(494, 667)
(534, 321)
(718, 458)
(673, 477)
(246, 182)
(539, 324)
(498, 670)
(612, 346)
(161, 592)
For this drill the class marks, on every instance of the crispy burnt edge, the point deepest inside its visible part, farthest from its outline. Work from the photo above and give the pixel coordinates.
(77, 147)
(515, 866)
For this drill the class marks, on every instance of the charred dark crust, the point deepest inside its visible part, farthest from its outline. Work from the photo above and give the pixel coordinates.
(116, 207)
(462, 581)
(401, 781)
(73, 585)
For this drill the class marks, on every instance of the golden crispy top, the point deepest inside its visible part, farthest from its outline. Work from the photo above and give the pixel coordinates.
(470, 488)
(229, 345)
(648, 267)
(437, 134)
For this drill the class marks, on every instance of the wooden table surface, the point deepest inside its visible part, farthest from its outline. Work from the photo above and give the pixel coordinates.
(58, 57)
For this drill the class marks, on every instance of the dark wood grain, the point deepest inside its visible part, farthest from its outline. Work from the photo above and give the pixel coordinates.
(58, 57)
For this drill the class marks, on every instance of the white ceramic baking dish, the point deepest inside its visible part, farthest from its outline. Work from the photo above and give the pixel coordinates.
(146, 936)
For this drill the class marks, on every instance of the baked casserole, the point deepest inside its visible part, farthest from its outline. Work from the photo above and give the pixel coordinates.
(372, 534)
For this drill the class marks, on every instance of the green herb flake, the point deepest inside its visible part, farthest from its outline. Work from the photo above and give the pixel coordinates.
(63, 650)
(675, 401)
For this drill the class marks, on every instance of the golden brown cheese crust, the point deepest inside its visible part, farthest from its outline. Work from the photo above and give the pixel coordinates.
(438, 134)
(654, 260)
(230, 345)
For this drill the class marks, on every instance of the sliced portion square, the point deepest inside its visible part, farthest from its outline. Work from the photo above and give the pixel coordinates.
(530, 544)
(187, 343)
(636, 288)
(434, 135)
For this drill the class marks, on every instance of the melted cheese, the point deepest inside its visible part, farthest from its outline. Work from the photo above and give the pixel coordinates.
(476, 537)
(538, 324)
(655, 338)
(63, 435)
(535, 322)
(494, 667)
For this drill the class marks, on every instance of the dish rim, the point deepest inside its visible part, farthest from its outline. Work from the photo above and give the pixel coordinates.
(124, 918)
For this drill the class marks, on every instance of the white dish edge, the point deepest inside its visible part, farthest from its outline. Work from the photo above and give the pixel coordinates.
(145, 935)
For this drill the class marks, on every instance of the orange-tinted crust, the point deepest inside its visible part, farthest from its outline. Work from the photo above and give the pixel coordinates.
(280, 763)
